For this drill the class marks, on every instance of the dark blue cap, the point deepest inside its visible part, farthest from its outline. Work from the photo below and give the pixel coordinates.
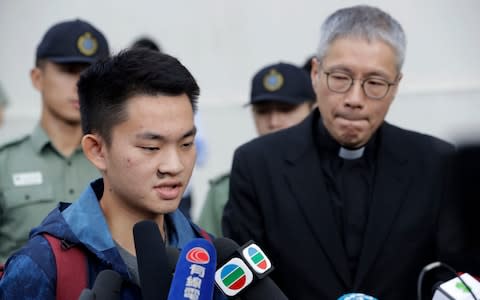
(282, 83)
(73, 42)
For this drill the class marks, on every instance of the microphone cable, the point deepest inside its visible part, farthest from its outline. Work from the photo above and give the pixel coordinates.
(435, 265)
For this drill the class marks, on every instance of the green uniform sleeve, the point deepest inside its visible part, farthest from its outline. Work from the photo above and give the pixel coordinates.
(212, 211)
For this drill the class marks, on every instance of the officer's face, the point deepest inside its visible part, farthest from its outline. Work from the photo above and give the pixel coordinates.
(273, 116)
(58, 85)
(352, 118)
(150, 159)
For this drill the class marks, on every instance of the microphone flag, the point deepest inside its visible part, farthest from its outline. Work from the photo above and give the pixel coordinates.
(233, 277)
(194, 273)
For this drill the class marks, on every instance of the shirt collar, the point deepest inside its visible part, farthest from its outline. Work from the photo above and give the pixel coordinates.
(351, 154)
(39, 138)
(331, 149)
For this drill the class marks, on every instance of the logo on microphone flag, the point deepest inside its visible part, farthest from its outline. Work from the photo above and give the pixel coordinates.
(256, 258)
(198, 255)
(233, 277)
(356, 296)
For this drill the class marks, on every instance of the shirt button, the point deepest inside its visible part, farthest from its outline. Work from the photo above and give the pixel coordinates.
(69, 163)
(71, 191)
(27, 197)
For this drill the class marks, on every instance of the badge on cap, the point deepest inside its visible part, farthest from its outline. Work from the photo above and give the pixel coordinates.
(87, 44)
(273, 80)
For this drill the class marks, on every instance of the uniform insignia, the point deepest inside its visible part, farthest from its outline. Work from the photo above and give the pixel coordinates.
(87, 44)
(273, 80)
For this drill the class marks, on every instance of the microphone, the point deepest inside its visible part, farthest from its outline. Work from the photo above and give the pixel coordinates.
(194, 274)
(463, 287)
(244, 271)
(172, 258)
(356, 296)
(107, 286)
(152, 261)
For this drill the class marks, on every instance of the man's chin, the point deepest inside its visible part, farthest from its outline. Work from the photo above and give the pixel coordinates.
(351, 141)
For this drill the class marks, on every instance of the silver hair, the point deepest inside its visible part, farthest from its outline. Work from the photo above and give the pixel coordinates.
(365, 22)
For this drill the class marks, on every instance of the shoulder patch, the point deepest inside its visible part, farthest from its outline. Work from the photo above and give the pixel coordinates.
(220, 178)
(13, 141)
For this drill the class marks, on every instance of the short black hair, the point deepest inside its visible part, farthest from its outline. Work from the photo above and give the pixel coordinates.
(307, 65)
(145, 42)
(105, 87)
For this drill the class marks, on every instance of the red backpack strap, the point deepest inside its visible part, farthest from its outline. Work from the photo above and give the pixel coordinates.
(2, 269)
(72, 275)
(205, 234)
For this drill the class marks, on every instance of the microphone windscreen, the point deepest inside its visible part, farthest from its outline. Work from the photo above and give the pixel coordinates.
(87, 294)
(225, 248)
(107, 285)
(194, 272)
(263, 288)
(152, 261)
(172, 258)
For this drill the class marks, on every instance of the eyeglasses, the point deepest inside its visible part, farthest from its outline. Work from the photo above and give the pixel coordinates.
(374, 88)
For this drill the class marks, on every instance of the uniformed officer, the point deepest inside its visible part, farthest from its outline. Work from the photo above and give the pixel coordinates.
(48, 166)
(281, 96)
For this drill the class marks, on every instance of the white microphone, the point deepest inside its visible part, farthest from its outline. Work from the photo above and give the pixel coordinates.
(462, 287)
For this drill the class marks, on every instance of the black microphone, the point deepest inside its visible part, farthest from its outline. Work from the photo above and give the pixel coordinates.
(172, 259)
(152, 261)
(244, 271)
(107, 286)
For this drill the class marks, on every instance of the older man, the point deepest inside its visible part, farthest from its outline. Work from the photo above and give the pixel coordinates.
(345, 202)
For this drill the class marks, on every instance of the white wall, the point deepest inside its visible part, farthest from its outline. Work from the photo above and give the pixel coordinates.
(224, 42)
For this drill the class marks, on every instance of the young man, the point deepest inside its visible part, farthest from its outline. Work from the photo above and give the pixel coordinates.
(48, 165)
(281, 96)
(345, 202)
(137, 117)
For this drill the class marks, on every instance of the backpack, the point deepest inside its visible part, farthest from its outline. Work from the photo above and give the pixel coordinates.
(67, 258)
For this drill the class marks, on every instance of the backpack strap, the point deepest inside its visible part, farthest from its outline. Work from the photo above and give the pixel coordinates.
(72, 266)
(203, 233)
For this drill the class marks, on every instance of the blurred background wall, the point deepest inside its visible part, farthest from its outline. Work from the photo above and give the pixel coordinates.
(224, 42)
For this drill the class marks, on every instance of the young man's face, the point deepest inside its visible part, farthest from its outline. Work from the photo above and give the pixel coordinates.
(151, 156)
(58, 85)
(352, 117)
(273, 115)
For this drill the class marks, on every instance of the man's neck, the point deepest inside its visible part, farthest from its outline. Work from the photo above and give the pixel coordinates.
(121, 220)
(65, 137)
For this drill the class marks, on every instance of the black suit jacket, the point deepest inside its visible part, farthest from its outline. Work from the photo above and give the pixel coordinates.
(278, 198)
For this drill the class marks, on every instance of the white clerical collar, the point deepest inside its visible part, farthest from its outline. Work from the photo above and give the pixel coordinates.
(351, 154)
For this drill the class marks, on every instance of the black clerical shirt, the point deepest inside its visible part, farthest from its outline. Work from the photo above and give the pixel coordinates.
(350, 186)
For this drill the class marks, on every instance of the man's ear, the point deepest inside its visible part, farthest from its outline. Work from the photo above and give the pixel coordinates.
(36, 76)
(94, 148)
(314, 72)
(395, 87)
